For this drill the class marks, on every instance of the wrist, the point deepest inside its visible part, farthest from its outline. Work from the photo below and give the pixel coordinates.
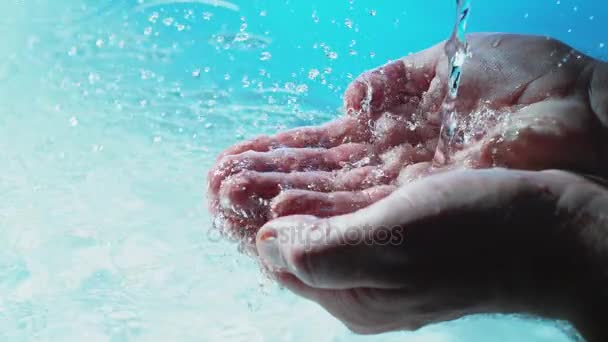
(583, 297)
(563, 273)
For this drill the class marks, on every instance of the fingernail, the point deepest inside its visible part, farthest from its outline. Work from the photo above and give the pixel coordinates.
(268, 247)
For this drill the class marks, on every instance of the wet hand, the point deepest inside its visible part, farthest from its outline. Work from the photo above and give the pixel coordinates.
(530, 103)
(453, 244)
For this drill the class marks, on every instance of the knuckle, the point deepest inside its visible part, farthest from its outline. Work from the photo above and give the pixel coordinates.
(236, 188)
(300, 258)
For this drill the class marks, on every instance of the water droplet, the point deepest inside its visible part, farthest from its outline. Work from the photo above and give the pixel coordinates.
(602, 45)
(313, 73)
(264, 56)
(145, 74)
(180, 27)
(73, 121)
(168, 21)
(245, 82)
(263, 13)
(189, 14)
(153, 17)
(227, 77)
(196, 73)
(158, 139)
(302, 88)
(372, 54)
(372, 12)
(99, 43)
(148, 31)
(243, 27)
(207, 15)
(73, 51)
(348, 23)
(527, 15)
(332, 55)
(93, 78)
(315, 18)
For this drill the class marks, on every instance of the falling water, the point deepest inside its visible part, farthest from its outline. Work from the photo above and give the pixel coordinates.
(456, 49)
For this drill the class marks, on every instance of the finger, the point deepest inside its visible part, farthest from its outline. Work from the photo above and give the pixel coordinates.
(367, 310)
(354, 307)
(248, 194)
(366, 248)
(237, 228)
(335, 133)
(304, 202)
(394, 84)
(251, 190)
(308, 247)
(287, 160)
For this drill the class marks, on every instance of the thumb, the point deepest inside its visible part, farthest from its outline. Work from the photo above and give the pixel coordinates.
(326, 254)
(368, 249)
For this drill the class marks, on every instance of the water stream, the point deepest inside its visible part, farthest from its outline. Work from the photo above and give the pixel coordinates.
(456, 49)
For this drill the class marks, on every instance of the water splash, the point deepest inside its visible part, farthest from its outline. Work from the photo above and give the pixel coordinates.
(456, 49)
(215, 3)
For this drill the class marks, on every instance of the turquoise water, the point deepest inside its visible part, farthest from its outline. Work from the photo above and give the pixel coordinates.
(112, 111)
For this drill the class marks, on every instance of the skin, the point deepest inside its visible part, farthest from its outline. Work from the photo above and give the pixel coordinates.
(462, 240)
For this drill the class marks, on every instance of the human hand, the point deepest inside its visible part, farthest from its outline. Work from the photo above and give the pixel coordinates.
(533, 103)
(453, 244)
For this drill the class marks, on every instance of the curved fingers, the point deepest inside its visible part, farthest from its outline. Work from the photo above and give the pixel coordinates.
(332, 134)
(288, 160)
(304, 202)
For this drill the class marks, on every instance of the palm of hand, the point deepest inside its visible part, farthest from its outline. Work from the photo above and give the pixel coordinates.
(527, 107)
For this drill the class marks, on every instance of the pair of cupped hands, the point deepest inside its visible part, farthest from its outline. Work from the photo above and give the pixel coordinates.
(351, 214)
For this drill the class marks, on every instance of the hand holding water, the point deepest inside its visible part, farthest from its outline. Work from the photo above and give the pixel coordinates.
(454, 244)
(532, 103)
(351, 229)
